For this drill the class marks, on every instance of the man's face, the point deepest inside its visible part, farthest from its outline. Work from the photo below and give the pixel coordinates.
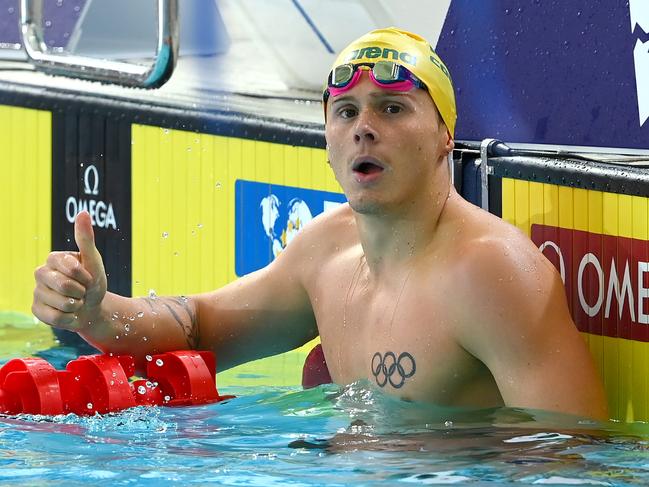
(386, 148)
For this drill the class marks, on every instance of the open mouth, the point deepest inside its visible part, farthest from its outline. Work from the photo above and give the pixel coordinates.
(367, 167)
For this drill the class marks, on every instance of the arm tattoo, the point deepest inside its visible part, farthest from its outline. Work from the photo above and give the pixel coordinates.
(389, 368)
(176, 306)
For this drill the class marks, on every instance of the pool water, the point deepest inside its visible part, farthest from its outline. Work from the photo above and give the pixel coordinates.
(324, 436)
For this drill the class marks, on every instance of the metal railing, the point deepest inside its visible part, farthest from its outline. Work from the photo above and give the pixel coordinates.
(117, 72)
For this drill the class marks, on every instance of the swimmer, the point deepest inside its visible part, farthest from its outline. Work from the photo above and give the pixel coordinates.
(408, 285)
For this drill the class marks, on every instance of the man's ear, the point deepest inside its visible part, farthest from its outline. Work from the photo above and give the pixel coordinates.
(450, 143)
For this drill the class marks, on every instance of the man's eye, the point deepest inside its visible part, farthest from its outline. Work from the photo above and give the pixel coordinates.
(393, 109)
(347, 112)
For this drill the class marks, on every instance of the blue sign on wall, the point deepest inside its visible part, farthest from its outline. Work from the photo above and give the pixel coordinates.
(268, 216)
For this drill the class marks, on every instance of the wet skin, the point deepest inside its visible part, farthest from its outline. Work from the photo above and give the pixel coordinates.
(408, 285)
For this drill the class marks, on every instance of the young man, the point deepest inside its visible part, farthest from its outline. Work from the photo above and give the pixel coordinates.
(408, 285)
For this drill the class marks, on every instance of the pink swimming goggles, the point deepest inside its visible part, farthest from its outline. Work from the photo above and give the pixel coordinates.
(385, 74)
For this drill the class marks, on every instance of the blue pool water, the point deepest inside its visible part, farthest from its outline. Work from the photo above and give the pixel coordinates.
(324, 436)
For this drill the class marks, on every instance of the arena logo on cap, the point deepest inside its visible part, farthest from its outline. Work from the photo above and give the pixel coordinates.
(374, 52)
(434, 59)
(606, 279)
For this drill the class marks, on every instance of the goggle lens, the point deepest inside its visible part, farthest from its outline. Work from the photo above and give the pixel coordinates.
(342, 75)
(386, 72)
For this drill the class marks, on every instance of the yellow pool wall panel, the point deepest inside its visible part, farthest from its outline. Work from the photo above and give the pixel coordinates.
(622, 363)
(183, 220)
(25, 219)
(25, 201)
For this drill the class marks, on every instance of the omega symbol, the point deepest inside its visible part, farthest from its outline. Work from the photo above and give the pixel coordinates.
(91, 172)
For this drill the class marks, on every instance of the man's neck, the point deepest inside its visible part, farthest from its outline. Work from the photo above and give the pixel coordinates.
(393, 238)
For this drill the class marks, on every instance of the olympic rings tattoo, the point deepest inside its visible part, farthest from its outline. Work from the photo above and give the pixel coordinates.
(388, 368)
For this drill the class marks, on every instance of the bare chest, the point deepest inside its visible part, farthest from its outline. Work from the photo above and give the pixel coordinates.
(399, 336)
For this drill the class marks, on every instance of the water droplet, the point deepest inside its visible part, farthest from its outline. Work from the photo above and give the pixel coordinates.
(149, 384)
(59, 3)
(140, 314)
(116, 337)
(127, 327)
(89, 405)
(48, 23)
(112, 382)
(218, 185)
(166, 131)
(165, 234)
(152, 294)
(175, 254)
(200, 225)
(10, 10)
(141, 390)
(144, 339)
(77, 8)
(167, 398)
(71, 300)
(148, 358)
(189, 149)
(448, 424)
(159, 362)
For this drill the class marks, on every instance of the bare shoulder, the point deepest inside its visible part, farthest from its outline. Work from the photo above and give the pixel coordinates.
(512, 314)
(500, 276)
(337, 219)
(331, 229)
(324, 236)
(492, 250)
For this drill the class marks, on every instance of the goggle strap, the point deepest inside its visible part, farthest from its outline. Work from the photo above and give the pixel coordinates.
(405, 85)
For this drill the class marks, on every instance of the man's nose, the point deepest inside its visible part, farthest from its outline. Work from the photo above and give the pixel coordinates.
(365, 129)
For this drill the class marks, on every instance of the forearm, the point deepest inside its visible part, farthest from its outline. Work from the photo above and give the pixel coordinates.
(141, 326)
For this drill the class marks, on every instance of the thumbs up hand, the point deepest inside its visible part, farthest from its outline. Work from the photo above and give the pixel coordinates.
(71, 286)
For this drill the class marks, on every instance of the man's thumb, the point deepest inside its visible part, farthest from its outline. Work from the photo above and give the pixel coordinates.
(84, 236)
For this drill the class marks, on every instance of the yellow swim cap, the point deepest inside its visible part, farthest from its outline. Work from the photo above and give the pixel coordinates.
(412, 52)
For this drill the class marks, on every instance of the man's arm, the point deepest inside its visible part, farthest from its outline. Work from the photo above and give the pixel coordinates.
(518, 324)
(264, 313)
